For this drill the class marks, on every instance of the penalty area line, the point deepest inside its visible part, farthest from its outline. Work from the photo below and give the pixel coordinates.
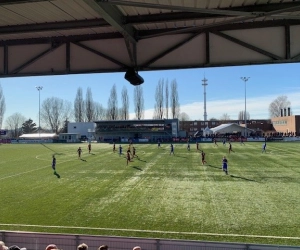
(157, 231)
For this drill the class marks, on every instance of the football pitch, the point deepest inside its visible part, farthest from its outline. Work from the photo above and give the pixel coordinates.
(157, 195)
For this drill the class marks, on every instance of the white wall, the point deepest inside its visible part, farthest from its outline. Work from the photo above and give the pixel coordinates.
(82, 128)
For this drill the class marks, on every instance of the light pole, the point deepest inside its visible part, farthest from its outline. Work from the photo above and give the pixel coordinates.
(39, 88)
(245, 79)
(204, 84)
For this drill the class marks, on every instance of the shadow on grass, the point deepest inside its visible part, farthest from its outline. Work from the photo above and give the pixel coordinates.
(180, 156)
(49, 148)
(243, 178)
(138, 168)
(213, 166)
(141, 160)
(83, 160)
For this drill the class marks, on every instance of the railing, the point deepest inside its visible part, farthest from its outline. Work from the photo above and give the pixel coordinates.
(39, 241)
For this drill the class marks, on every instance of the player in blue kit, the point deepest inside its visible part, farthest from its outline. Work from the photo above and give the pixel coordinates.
(224, 165)
(264, 147)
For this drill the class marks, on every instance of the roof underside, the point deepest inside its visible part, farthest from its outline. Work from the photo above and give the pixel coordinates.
(42, 37)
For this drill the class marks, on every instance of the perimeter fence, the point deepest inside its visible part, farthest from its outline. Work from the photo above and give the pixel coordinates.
(39, 241)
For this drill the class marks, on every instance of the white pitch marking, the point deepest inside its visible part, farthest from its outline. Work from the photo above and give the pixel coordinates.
(10, 176)
(157, 231)
(26, 172)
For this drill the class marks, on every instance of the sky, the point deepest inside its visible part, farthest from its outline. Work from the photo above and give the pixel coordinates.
(225, 92)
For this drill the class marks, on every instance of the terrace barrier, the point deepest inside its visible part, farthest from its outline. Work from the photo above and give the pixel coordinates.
(39, 241)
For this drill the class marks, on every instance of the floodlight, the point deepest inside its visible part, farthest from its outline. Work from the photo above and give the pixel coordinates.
(133, 77)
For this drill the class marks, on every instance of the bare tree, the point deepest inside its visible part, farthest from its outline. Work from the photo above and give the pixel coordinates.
(225, 117)
(159, 98)
(54, 112)
(67, 111)
(167, 100)
(124, 115)
(277, 105)
(79, 106)
(14, 124)
(89, 105)
(241, 116)
(183, 117)
(139, 102)
(119, 114)
(175, 107)
(2, 106)
(99, 111)
(112, 105)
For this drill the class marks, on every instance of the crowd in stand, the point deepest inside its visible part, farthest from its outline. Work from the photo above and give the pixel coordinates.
(82, 246)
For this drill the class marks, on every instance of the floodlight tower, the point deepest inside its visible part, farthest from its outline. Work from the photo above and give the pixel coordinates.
(245, 79)
(39, 88)
(204, 84)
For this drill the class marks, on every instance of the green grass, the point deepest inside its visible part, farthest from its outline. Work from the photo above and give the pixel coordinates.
(157, 195)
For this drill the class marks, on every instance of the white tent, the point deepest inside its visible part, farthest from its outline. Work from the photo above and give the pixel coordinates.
(38, 135)
(231, 128)
(207, 131)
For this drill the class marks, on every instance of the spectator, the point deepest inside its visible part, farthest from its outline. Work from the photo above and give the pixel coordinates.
(137, 248)
(103, 247)
(14, 247)
(51, 247)
(2, 246)
(82, 246)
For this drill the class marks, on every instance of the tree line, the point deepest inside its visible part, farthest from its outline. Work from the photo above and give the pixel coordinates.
(55, 113)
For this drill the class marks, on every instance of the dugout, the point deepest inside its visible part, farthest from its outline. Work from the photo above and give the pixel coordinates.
(136, 130)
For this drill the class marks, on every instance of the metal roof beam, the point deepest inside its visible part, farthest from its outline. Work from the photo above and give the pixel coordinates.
(40, 27)
(114, 17)
(131, 49)
(235, 26)
(247, 45)
(169, 50)
(229, 21)
(178, 8)
(37, 57)
(246, 11)
(168, 17)
(287, 32)
(207, 48)
(183, 16)
(100, 54)
(8, 2)
(48, 40)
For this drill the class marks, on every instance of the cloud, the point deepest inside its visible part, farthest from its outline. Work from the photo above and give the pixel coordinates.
(258, 107)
